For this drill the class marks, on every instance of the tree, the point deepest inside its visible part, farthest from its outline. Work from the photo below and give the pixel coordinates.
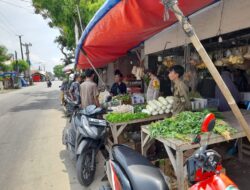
(20, 66)
(4, 56)
(63, 15)
(58, 71)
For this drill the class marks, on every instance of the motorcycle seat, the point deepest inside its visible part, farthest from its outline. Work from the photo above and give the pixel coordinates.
(141, 173)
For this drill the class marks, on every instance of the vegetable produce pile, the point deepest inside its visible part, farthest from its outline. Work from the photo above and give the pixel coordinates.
(186, 124)
(160, 106)
(125, 98)
(122, 109)
(138, 108)
(123, 117)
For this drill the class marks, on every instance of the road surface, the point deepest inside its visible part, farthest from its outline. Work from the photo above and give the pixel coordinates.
(32, 156)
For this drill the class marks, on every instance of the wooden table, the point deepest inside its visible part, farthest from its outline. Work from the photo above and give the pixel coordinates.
(175, 148)
(118, 128)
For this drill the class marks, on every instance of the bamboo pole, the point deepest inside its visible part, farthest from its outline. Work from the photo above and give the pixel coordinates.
(188, 28)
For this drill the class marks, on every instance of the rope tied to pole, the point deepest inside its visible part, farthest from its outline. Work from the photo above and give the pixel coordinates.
(169, 5)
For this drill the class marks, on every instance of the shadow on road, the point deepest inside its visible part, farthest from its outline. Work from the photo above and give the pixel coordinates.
(42, 101)
(70, 170)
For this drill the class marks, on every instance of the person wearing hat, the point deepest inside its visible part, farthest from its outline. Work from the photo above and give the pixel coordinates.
(180, 90)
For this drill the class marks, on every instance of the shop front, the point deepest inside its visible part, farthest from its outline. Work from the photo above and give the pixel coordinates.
(152, 126)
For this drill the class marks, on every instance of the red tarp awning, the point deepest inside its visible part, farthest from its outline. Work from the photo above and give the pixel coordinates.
(121, 25)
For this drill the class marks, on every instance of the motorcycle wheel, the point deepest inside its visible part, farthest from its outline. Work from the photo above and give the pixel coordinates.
(85, 174)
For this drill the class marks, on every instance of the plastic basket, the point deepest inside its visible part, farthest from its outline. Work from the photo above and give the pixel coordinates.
(212, 103)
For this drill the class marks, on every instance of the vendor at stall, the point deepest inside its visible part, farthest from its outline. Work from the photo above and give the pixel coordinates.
(153, 87)
(118, 87)
(180, 90)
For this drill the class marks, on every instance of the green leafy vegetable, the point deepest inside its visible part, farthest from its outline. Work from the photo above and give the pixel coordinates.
(185, 124)
(138, 108)
(123, 117)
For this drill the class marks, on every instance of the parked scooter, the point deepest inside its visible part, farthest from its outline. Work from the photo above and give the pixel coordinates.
(69, 105)
(49, 83)
(204, 166)
(84, 139)
(128, 170)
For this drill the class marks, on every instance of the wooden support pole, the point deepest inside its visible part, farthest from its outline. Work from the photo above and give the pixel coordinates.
(187, 27)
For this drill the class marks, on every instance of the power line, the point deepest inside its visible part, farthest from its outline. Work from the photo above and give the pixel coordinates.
(10, 26)
(24, 8)
(7, 31)
(7, 27)
(25, 1)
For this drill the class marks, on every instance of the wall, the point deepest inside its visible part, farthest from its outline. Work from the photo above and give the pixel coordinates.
(236, 16)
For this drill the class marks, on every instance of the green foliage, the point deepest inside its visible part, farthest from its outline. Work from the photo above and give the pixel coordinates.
(20, 66)
(4, 56)
(58, 71)
(4, 67)
(63, 15)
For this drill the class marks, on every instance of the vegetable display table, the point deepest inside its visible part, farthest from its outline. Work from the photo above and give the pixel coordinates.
(118, 128)
(175, 148)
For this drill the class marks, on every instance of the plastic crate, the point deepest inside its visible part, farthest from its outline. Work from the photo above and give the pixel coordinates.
(212, 103)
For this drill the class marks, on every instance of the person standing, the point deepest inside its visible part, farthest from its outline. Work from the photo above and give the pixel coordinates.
(118, 87)
(223, 104)
(153, 86)
(63, 89)
(88, 90)
(74, 90)
(180, 90)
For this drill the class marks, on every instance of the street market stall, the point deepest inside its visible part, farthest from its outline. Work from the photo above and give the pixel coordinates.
(127, 115)
(105, 39)
(176, 148)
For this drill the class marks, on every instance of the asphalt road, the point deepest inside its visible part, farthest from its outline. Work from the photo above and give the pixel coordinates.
(32, 156)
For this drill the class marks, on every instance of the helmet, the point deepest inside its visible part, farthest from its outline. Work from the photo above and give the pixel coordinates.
(71, 77)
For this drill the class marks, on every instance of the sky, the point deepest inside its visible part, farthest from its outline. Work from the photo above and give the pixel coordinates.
(17, 17)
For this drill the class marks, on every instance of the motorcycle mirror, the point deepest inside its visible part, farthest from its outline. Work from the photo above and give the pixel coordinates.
(208, 123)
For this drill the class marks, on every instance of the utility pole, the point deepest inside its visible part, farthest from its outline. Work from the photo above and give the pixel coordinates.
(20, 41)
(17, 68)
(27, 45)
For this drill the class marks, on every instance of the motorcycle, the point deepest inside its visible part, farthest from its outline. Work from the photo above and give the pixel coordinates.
(204, 166)
(126, 169)
(69, 105)
(49, 83)
(83, 139)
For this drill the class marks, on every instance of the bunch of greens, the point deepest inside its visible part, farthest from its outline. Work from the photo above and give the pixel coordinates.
(123, 98)
(138, 108)
(123, 117)
(185, 124)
